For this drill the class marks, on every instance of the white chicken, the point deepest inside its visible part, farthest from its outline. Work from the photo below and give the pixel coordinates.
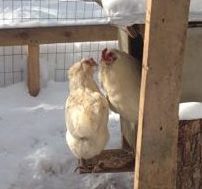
(86, 112)
(120, 78)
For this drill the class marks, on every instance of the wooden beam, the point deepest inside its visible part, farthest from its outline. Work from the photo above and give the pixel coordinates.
(189, 157)
(156, 149)
(60, 34)
(189, 166)
(110, 161)
(33, 75)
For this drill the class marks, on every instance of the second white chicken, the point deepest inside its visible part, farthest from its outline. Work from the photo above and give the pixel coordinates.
(120, 77)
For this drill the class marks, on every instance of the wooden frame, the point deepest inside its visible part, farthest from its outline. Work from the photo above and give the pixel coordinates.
(164, 45)
(35, 36)
(151, 169)
(118, 160)
(57, 34)
(33, 70)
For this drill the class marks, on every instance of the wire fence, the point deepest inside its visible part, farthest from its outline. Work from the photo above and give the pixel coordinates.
(58, 57)
(12, 64)
(19, 12)
(55, 59)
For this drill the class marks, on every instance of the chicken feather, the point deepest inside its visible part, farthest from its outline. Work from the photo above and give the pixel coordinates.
(120, 77)
(86, 112)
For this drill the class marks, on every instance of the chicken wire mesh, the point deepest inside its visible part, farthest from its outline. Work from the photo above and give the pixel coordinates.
(54, 58)
(11, 64)
(20, 12)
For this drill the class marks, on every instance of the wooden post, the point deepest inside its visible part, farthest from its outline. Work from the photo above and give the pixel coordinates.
(33, 75)
(156, 149)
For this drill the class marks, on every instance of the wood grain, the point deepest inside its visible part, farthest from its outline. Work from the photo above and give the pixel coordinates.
(33, 72)
(164, 45)
(60, 34)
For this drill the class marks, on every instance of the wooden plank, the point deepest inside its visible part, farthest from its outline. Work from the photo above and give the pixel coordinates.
(110, 161)
(33, 75)
(188, 161)
(61, 34)
(156, 149)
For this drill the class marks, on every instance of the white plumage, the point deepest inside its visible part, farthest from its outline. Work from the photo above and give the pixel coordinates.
(120, 78)
(86, 112)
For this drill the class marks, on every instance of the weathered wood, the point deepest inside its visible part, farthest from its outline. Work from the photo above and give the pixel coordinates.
(164, 44)
(59, 34)
(191, 78)
(110, 161)
(33, 74)
(189, 166)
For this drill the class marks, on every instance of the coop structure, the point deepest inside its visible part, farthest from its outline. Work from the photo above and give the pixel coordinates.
(156, 149)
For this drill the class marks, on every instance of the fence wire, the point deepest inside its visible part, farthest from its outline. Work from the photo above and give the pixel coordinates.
(53, 12)
(12, 64)
(55, 59)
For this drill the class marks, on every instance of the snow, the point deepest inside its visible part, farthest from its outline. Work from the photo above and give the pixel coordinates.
(27, 13)
(33, 151)
(190, 111)
(33, 13)
(128, 12)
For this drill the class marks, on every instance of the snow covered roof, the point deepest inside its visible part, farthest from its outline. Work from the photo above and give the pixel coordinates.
(28, 13)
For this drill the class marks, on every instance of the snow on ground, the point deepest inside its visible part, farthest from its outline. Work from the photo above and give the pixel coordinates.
(33, 151)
